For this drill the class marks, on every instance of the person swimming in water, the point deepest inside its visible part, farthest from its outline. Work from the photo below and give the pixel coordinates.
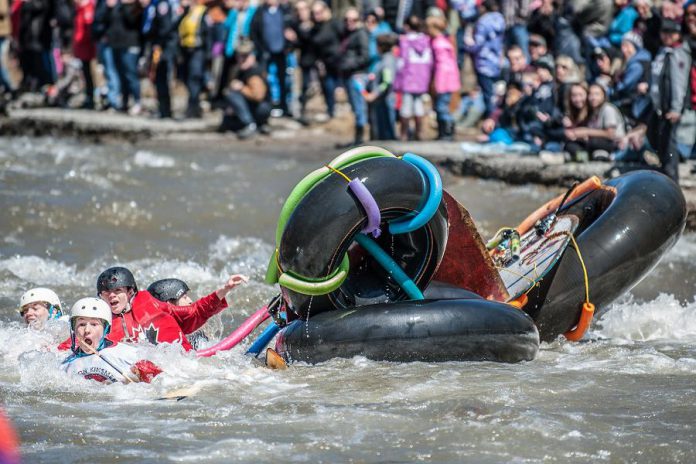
(94, 356)
(176, 292)
(137, 315)
(38, 305)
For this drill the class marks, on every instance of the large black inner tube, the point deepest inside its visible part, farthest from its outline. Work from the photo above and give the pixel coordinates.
(622, 236)
(469, 329)
(322, 227)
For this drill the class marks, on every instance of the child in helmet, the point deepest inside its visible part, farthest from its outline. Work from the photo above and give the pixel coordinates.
(94, 356)
(38, 305)
(176, 292)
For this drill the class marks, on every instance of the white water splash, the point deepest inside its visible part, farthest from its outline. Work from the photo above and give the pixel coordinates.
(144, 158)
(664, 318)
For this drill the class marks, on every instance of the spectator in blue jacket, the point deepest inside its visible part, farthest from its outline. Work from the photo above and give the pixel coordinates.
(487, 49)
(637, 60)
(623, 21)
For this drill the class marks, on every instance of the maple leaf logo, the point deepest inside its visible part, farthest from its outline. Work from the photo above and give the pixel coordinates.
(152, 334)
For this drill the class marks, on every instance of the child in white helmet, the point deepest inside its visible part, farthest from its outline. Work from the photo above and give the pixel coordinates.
(94, 356)
(38, 305)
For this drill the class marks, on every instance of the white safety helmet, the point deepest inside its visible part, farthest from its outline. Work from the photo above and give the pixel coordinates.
(41, 294)
(91, 307)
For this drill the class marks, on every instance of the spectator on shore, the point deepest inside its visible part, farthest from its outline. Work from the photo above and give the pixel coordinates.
(248, 108)
(606, 65)
(5, 37)
(111, 98)
(123, 19)
(605, 127)
(538, 48)
(194, 45)
(446, 77)
(623, 21)
(543, 22)
(355, 59)
(83, 46)
(636, 69)
(647, 25)
(689, 113)
(380, 94)
(375, 26)
(576, 113)
(567, 73)
(670, 77)
(517, 65)
(162, 30)
(301, 38)
(505, 124)
(326, 39)
(36, 44)
(237, 27)
(268, 29)
(486, 46)
(516, 14)
(413, 77)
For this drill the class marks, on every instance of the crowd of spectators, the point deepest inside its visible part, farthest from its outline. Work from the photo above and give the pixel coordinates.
(596, 79)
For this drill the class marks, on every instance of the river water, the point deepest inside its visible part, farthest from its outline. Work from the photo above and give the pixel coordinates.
(202, 210)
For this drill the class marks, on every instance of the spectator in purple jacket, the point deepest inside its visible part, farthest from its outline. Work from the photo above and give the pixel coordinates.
(486, 46)
(413, 75)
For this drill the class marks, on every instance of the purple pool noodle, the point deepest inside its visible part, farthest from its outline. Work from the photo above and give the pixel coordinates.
(368, 202)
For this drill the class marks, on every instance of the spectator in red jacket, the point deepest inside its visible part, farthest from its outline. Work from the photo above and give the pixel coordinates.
(83, 45)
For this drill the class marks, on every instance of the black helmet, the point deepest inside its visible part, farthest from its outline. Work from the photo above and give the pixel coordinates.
(168, 289)
(115, 277)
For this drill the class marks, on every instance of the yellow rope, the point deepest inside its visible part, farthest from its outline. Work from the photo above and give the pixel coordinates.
(535, 282)
(338, 172)
(584, 269)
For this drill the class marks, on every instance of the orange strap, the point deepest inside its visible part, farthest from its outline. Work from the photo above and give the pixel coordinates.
(520, 302)
(583, 324)
(591, 184)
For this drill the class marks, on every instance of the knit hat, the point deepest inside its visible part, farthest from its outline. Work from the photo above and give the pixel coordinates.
(545, 62)
(634, 39)
(649, 2)
(670, 25)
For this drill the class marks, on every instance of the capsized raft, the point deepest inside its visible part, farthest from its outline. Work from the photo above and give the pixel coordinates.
(375, 259)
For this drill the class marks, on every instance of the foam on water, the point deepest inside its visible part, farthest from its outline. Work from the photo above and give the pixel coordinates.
(144, 158)
(664, 318)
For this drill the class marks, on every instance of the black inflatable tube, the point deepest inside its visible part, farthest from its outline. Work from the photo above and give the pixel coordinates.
(322, 227)
(621, 240)
(428, 330)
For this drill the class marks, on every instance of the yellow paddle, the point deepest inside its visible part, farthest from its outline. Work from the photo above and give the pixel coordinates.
(88, 349)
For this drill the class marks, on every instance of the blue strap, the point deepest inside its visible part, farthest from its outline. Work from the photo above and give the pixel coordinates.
(263, 339)
(388, 263)
(411, 223)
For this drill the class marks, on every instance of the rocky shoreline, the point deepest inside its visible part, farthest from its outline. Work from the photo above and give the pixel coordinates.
(508, 167)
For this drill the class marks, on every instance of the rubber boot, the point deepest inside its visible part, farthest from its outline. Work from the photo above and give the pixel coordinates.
(448, 131)
(359, 139)
(404, 129)
(440, 129)
(418, 133)
(359, 136)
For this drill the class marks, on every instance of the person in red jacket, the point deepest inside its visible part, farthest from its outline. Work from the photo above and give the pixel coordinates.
(137, 315)
(84, 48)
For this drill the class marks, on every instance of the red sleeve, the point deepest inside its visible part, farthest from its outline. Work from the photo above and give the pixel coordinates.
(65, 345)
(147, 370)
(192, 318)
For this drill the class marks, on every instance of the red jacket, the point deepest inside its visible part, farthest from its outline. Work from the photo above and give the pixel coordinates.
(83, 45)
(160, 322)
